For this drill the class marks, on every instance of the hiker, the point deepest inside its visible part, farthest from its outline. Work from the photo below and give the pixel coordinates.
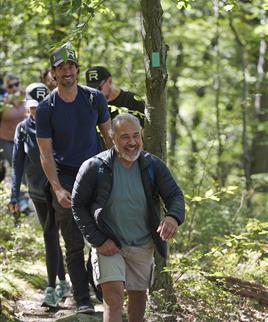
(13, 113)
(66, 134)
(48, 79)
(26, 157)
(99, 77)
(3, 94)
(116, 205)
(11, 116)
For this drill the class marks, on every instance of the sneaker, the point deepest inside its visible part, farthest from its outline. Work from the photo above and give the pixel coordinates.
(63, 290)
(51, 298)
(85, 306)
(24, 205)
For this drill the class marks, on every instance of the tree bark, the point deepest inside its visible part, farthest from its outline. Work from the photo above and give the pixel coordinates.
(243, 288)
(260, 133)
(217, 88)
(155, 52)
(156, 77)
(244, 110)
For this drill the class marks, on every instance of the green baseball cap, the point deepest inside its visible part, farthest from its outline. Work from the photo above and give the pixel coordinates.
(63, 54)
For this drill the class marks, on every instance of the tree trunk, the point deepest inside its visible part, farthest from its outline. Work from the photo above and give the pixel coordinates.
(244, 110)
(155, 124)
(156, 77)
(260, 133)
(243, 288)
(217, 88)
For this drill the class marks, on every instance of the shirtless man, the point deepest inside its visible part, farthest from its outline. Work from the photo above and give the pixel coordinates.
(13, 113)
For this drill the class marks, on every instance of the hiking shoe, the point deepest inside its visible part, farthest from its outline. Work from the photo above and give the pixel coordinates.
(63, 290)
(24, 206)
(51, 298)
(85, 306)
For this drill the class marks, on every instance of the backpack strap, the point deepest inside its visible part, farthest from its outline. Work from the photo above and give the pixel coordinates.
(51, 103)
(89, 94)
(23, 131)
(99, 170)
(150, 172)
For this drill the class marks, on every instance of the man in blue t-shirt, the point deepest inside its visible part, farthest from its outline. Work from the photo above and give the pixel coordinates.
(66, 134)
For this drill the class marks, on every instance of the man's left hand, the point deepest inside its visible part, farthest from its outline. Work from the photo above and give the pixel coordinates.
(167, 228)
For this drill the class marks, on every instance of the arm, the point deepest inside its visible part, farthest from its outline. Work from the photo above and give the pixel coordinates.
(104, 119)
(173, 199)
(49, 167)
(104, 129)
(84, 206)
(18, 160)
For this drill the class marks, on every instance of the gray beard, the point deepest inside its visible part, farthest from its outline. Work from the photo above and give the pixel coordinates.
(129, 158)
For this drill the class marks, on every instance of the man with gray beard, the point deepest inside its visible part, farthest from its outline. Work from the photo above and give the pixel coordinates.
(116, 204)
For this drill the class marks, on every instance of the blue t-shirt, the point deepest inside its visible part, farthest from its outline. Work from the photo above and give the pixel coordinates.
(72, 126)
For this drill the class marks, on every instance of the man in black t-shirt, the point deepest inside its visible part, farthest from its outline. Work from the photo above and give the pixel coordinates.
(99, 77)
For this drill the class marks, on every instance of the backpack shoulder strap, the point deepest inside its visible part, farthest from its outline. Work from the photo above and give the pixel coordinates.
(51, 98)
(150, 172)
(23, 130)
(89, 94)
(99, 170)
(51, 103)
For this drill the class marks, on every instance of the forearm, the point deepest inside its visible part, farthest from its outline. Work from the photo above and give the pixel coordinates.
(108, 141)
(16, 179)
(18, 162)
(104, 129)
(50, 169)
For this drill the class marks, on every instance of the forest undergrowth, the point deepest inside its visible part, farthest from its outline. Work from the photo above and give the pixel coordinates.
(196, 270)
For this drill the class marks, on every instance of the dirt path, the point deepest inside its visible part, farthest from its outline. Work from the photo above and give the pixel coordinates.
(28, 309)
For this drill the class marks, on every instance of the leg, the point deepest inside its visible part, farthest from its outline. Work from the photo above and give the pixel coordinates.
(136, 305)
(51, 240)
(139, 272)
(113, 298)
(74, 244)
(61, 269)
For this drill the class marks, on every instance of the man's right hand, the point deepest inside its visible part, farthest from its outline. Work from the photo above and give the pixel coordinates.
(108, 248)
(63, 197)
(13, 207)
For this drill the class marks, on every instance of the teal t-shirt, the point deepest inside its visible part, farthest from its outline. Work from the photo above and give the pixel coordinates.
(126, 209)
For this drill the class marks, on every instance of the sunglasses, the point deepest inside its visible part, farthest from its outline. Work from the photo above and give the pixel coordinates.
(101, 84)
(13, 85)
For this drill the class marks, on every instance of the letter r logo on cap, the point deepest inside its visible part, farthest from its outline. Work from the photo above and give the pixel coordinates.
(41, 93)
(93, 75)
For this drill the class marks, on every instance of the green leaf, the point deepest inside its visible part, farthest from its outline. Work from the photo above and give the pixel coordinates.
(197, 198)
(209, 193)
(214, 198)
(228, 7)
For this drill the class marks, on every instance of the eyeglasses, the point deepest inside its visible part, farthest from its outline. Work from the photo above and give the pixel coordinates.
(13, 85)
(101, 84)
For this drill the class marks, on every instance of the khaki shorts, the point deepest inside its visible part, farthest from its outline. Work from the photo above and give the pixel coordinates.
(133, 265)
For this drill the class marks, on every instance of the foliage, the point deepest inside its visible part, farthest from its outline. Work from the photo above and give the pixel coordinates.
(213, 78)
(244, 257)
(20, 252)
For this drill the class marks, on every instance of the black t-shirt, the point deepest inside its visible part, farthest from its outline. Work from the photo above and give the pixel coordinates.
(130, 101)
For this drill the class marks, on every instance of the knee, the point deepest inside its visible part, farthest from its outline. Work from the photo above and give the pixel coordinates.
(113, 299)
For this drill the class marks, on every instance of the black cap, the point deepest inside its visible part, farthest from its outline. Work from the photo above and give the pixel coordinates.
(34, 94)
(95, 75)
(63, 54)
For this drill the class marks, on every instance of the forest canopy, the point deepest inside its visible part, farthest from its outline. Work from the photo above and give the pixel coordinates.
(216, 106)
